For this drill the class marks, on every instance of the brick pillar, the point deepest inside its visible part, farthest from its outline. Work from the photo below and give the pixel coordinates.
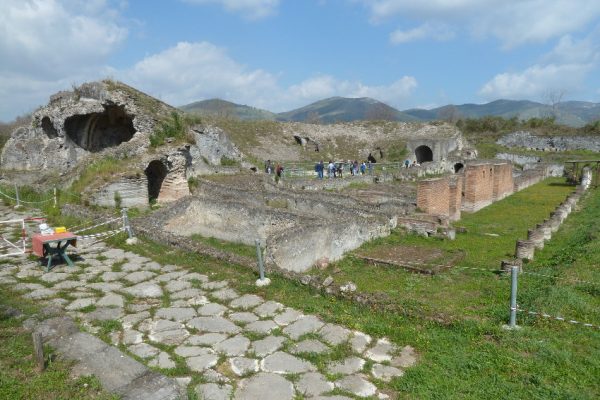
(433, 196)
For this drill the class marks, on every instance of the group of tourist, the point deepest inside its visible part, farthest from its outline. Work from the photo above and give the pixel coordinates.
(336, 169)
(277, 170)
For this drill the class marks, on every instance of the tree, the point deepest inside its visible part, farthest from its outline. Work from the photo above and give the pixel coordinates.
(553, 98)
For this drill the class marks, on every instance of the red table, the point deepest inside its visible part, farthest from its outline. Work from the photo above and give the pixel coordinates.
(53, 245)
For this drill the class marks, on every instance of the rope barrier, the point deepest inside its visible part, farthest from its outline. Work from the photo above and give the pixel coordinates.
(24, 201)
(74, 228)
(101, 234)
(562, 319)
(560, 278)
(110, 221)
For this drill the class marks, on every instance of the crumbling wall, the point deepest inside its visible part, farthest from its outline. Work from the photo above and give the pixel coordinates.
(124, 192)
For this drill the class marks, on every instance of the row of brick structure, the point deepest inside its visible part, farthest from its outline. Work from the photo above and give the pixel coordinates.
(478, 185)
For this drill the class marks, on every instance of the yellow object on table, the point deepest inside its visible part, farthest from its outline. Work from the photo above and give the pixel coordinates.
(60, 229)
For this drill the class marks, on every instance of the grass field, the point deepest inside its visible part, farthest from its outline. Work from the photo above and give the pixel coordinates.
(454, 320)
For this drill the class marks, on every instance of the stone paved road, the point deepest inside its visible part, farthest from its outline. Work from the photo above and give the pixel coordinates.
(238, 346)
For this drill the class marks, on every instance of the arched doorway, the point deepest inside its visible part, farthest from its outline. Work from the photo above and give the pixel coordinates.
(156, 173)
(458, 167)
(423, 154)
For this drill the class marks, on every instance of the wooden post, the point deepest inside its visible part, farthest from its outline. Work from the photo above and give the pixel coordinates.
(38, 351)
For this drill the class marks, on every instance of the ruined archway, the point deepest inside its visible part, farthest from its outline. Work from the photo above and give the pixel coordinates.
(458, 167)
(156, 173)
(423, 154)
(48, 128)
(96, 131)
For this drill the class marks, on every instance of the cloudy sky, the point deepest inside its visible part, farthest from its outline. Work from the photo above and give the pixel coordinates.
(282, 54)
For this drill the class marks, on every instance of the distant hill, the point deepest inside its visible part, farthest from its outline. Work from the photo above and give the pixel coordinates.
(571, 113)
(222, 108)
(343, 109)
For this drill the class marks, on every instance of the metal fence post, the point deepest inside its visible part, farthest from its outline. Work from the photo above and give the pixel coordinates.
(126, 225)
(262, 281)
(55, 198)
(514, 273)
(17, 196)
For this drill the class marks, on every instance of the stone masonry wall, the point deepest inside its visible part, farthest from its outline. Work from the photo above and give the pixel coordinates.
(478, 186)
(433, 195)
(503, 185)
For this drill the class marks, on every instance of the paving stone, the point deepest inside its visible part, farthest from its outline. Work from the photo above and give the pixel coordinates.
(247, 301)
(52, 277)
(131, 266)
(212, 391)
(29, 273)
(176, 313)
(131, 336)
(194, 276)
(212, 309)
(111, 300)
(235, 346)
(207, 339)
(39, 294)
(210, 375)
(214, 285)
(334, 397)
(80, 303)
(268, 309)
(225, 294)
(152, 266)
(213, 324)
(65, 285)
(186, 294)
(177, 286)
(192, 351)
(385, 372)
(105, 286)
(267, 345)
(183, 381)
(139, 276)
(313, 384)
(146, 325)
(143, 350)
(80, 294)
(139, 307)
(167, 332)
(242, 366)
(21, 287)
(170, 276)
(263, 327)
(406, 359)
(243, 317)
(350, 365)
(304, 325)
(144, 290)
(309, 346)
(264, 386)
(360, 341)
(334, 334)
(382, 351)
(357, 385)
(7, 280)
(162, 361)
(198, 300)
(288, 316)
(284, 363)
(105, 314)
(200, 363)
(114, 254)
(58, 302)
(130, 320)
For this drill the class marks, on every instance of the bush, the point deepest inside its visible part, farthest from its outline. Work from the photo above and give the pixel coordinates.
(176, 127)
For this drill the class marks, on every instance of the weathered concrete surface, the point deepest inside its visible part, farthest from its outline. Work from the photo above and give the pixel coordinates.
(117, 372)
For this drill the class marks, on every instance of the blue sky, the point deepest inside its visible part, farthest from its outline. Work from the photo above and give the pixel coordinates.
(283, 54)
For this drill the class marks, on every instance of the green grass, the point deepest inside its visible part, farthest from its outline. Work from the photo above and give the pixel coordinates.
(236, 248)
(19, 379)
(454, 320)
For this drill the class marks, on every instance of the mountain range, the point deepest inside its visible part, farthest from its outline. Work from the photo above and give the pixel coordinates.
(342, 109)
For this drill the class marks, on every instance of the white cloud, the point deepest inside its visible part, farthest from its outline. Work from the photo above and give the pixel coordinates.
(536, 81)
(252, 9)
(512, 22)
(189, 72)
(439, 32)
(563, 69)
(46, 45)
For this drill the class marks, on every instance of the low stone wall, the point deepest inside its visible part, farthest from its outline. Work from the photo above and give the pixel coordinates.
(526, 140)
(525, 249)
(132, 192)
